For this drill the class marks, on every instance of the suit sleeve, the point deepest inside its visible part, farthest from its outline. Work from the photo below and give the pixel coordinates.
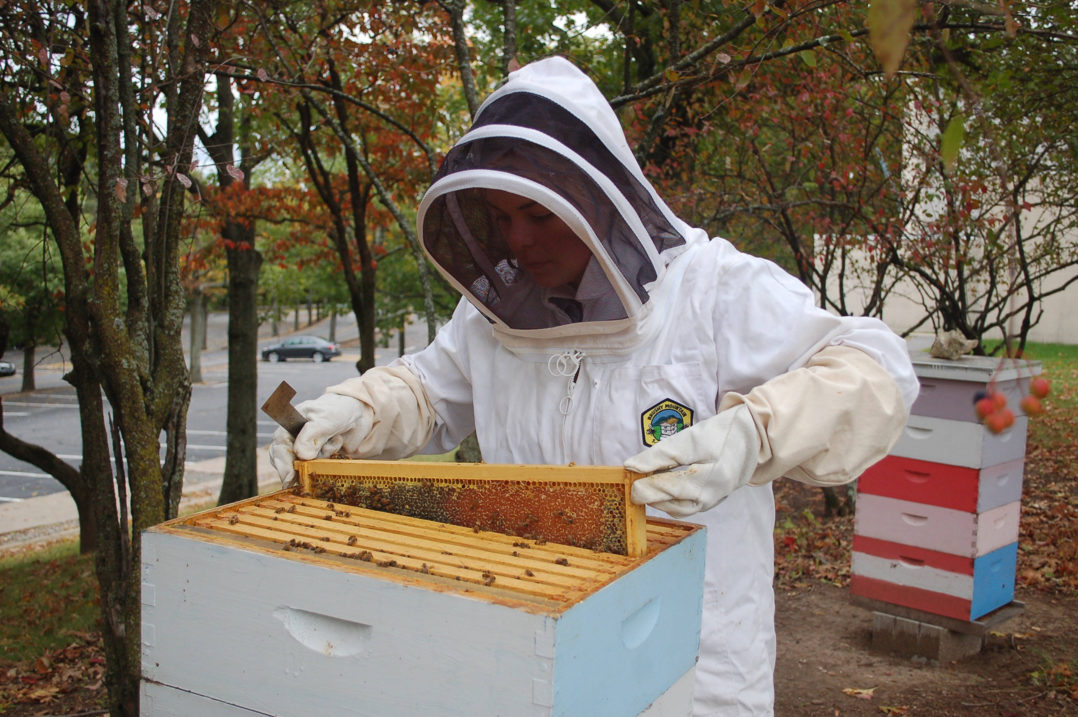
(825, 422)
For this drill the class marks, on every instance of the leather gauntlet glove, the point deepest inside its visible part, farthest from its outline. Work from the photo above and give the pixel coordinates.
(335, 423)
(695, 469)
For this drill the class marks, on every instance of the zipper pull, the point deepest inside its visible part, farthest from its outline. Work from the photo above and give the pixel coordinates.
(568, 364)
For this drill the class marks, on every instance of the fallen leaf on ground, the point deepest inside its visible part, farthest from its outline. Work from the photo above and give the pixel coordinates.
(861, 693)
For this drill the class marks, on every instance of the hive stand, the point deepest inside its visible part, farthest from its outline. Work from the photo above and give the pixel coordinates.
(935, 542)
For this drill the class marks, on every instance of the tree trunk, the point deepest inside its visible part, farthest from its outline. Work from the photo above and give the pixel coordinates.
(28, 368)
(197, 336)
(241, 463)
(123, 310)
(833, 505)
(205, 322)
(456, 8)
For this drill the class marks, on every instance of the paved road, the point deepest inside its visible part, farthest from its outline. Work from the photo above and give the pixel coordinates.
(48, 416)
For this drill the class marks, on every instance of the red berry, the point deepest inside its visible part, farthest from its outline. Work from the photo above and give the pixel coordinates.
(985, 408)
(999, 399)
(1032, 406)
(997, 422)
(1040, 387)
(1008, 417)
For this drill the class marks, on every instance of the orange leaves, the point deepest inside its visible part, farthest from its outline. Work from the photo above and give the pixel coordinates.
(807, 547)
(1060, 676)
(77, 668)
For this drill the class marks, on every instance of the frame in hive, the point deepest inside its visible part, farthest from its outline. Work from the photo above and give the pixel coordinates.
(582, 506)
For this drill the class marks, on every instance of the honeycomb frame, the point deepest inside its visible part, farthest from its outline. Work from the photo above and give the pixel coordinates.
(581, 506)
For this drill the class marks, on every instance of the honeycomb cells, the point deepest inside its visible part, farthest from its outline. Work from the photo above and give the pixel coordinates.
(580, 514)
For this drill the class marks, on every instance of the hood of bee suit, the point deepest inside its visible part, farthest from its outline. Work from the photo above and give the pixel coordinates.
(550, 136)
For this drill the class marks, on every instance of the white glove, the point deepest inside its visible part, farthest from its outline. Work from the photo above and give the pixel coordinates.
(712, 459)
(335, 423)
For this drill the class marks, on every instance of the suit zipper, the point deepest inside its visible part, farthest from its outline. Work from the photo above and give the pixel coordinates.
(567, 363)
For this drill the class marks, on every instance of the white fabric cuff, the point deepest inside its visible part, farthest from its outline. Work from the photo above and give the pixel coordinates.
(403, 414)
(826, 422)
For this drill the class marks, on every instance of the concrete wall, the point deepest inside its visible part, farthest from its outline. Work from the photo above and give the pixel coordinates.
(1058, 324)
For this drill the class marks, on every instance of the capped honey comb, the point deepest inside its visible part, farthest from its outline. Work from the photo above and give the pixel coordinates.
(580, 506)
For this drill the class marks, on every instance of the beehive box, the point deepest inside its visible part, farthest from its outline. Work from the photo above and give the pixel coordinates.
(292, 605)
(967, 489)
(937, 521)
(949, 389)
(962, 587)
(960, 443)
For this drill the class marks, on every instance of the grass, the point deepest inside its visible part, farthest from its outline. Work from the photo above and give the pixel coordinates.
(46, 597)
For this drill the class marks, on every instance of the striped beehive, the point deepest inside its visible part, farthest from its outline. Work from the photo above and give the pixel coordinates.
(936, 528)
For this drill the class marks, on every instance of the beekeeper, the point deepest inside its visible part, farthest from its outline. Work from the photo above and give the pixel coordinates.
(598, 328)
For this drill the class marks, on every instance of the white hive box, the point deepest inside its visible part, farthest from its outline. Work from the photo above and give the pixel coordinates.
(288, 605)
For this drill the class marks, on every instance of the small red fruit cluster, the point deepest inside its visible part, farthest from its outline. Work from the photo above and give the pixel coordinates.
(991, 406)
(1038, 388)
(992, 409)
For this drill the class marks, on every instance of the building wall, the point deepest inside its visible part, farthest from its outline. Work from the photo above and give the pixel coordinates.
(1058, 324)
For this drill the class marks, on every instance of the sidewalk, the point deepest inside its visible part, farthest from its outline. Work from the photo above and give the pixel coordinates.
(37, 521)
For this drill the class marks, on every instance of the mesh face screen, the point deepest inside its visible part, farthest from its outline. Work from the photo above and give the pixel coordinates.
(526, 109)
(461, 235)
(583, 515)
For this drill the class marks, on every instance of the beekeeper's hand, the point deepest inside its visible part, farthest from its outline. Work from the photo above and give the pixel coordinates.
(695, 469)
(335, 423)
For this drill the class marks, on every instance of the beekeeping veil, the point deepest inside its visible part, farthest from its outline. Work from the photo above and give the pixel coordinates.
(549, 135)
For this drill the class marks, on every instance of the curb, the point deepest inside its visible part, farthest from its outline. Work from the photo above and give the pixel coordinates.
(35, 522)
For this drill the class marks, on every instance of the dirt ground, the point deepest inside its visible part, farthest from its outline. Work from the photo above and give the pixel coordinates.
(824, 648)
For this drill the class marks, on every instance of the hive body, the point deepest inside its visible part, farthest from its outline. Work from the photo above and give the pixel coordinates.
(937, 520)
(291, 605)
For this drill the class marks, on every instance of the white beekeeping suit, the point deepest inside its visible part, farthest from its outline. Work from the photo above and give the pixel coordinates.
(673, 349)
